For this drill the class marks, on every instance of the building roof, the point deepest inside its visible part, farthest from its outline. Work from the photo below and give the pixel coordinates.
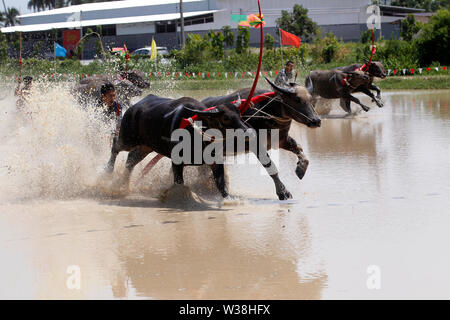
(385, 9)
(105, 5)
(97, 22)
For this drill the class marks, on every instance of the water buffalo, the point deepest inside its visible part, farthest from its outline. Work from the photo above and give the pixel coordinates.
(128, 84)
(148, 125)
(275, 110)
(336, 84)
(287, 104)
(375, 70)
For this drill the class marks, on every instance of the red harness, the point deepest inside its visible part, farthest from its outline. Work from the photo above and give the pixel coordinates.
(364, 67)
(186, 122)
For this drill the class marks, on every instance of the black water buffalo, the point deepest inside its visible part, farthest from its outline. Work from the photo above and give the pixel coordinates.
(128, 84)
(336, 84)
(148, 126)
(375, 70)
(288, 104)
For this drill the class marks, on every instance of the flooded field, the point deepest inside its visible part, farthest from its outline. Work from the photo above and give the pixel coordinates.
(369, 220)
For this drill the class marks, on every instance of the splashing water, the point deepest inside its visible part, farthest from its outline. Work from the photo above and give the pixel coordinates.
(56, 149)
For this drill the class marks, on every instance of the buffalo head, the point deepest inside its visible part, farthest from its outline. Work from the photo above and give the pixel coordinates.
(137, 78)
(297, 102)
(376, 69)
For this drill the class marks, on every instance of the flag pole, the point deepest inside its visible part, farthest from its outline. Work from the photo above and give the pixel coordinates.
(54, 55)
(20, 55)
(281, 48)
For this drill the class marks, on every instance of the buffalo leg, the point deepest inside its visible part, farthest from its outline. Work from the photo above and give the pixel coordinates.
(177, 170)
(345, 105)
(366, 91)
(115, 149)
(219, 178)
(134, 157)
(282, 192)
(377, 89)
(291, 145)
(356, 100)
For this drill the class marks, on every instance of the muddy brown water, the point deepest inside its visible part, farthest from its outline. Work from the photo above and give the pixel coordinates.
(376, 195)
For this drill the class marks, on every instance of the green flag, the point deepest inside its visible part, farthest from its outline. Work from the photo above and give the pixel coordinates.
(238, 17)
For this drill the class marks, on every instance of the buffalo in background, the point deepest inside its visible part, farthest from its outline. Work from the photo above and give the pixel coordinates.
(128, 84)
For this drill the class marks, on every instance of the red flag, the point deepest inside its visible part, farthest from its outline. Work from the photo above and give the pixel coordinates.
(289, 39)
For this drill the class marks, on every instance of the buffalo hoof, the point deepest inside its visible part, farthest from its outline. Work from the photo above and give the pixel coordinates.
(301, 168)
(365, 108)
(284, 195)
(380, 103)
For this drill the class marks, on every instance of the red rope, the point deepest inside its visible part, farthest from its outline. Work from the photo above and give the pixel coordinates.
(365, 67)
(246, 104)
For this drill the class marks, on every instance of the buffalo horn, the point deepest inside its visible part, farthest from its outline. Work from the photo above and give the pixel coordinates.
(281, 89)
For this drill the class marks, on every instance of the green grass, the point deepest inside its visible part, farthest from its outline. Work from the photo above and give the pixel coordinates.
(390, 83)
(415, 82)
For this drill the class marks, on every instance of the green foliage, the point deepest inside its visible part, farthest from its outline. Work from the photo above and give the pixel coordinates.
(268, 41)
(228, 36)
(216, 48)
(242, 39)
(330, 48)
(3, 49)
(428, 5)
(396, 54)
(298, 23)
(433, 44)
(38, 48)
(366, 36)
(196, 51)
(325, 49)
(409, 27)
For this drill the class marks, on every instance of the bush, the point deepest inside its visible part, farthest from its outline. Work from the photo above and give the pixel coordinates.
(242, 39)
(433, 43)
(268, 41)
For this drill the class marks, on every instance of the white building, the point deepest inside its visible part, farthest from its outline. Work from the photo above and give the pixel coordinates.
(135, 22)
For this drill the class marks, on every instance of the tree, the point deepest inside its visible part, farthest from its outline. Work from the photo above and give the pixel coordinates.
(3, 48)
(268, 41)
(428, 5)
(36, 5)
(409, 27)
(217, 40)
(242, 39)
(298, 23)
(228, 36)
(433, 44)
(10, 17)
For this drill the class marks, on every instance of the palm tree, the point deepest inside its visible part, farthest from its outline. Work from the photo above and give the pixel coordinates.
(36, 5)
(11, 17)
(2, 18)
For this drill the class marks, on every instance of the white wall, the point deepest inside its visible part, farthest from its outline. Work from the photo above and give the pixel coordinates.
(135, 28)
(323, 12)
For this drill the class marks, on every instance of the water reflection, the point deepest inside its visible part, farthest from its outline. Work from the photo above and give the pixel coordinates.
(220, 256)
